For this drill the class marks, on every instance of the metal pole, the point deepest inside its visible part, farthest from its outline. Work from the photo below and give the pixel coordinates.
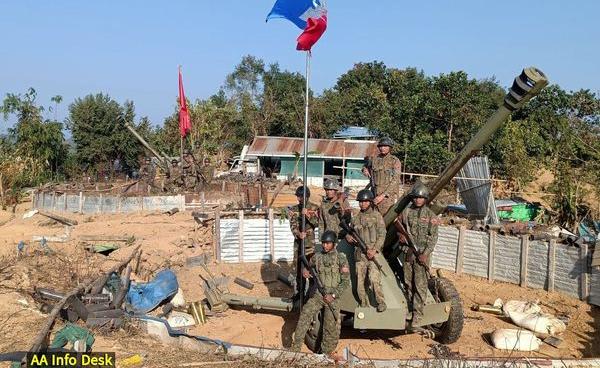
(304, 175)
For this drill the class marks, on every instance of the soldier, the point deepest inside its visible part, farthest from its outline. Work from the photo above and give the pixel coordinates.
(333, 208)
(190, 171)
(175, 176)
(385, 170)
(422, 225)
(311, 211)
(370, 227)
(147, 174)
(334, 273)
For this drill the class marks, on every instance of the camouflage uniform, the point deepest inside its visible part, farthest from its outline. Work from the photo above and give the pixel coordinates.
(370, 227)
(147, 175)
(312, 222)
(386, 176)
(334, 272)
(422, 224)
(330, 217)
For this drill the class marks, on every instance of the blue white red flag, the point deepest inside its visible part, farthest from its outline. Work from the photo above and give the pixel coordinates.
(308, 15)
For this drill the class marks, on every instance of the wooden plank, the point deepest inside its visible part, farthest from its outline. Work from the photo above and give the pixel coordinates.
(241, 235)
(217, 254)
(524, 259)
(55, 217)
(583, 255)
(491, 255)
(100, 200)
(462, 232)
(551, 263)
(53, 205)
(80, 202)
(119, 203)
(271, 235)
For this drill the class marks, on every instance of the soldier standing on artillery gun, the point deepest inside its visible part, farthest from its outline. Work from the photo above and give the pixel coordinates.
(333, 208)
(333, 272)
(421, 223)
(369, 225)
(147, 175)
(384, 170)
(295, 213)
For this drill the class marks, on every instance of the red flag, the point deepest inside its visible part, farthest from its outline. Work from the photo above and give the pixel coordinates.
(185, 123)
(315, 28)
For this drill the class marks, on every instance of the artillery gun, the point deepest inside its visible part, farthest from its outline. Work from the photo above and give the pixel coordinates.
(443, 313)
(163, 160)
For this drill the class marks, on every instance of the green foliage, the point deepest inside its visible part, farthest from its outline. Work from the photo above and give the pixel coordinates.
(97, 123)
(35, 149)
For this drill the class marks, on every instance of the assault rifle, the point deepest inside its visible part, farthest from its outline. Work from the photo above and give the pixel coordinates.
(348, 228)
(409, 240)
(318, 283)
(371, 185)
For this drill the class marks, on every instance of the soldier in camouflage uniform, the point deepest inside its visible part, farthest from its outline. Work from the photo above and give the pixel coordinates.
(369, 225)
(422, 224)
(147, 174)
(386, 170)
(311, 211)
(175, 182)
(334, 273)
(330, 216)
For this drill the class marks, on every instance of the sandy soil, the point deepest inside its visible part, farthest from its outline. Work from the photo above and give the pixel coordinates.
(167, 241)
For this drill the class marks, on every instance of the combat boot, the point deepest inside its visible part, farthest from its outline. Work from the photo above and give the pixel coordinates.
(381, 307)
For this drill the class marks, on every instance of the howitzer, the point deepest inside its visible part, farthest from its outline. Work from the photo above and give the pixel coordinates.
(348, 228)
(163, 161)
(318, 284)
(443, 310)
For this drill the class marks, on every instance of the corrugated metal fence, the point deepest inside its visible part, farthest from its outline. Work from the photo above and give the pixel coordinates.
(517, 260)
(104, 203)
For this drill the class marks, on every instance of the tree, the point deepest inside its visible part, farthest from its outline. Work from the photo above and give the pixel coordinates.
(97, 124)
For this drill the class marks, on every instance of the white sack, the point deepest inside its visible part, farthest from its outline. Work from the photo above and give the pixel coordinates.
(511, 339)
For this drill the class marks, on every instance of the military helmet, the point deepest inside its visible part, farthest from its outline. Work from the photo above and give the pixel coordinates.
(174, 161)
(300, 191)
(328, 236)
(147, 159)
(420, 191)
(331, 184)
(385, 141)
(364, 195)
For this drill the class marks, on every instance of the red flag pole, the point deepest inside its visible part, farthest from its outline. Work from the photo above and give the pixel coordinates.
(180, 107)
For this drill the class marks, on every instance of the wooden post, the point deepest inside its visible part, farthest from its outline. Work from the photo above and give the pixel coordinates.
(202, 200)
(119, 199)
(271, 235)
(66, 196)
(524, 259)
(81, 202)
(462, 230)
(241, 235)
(2, 192)
(551, 264)
(491, 255)
(100, 200)
(218, 235)
(583, 255)
(53, 203)
(223, 186)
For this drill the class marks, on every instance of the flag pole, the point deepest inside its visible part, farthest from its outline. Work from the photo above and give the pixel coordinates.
(180, 136)
(304, 172)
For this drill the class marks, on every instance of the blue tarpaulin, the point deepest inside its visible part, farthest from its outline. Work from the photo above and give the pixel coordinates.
(142, 298)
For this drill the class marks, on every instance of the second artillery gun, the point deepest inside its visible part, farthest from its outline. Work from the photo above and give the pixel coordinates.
(443, 312)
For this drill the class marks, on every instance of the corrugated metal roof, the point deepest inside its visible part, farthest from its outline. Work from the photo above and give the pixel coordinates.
(323, 148)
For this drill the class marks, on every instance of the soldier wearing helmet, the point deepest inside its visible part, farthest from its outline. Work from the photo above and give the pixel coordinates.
(311, 212)
(333, 207)
(385, 170)
(334, 273)
(370, 227)
(422, 225)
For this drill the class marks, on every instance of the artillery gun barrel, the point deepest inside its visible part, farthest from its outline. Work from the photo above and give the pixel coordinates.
(525, 86)
(147, 145)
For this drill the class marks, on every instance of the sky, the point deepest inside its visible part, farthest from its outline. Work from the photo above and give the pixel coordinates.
(131, 49)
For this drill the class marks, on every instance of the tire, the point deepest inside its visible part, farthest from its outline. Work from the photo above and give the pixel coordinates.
(449, 331)
(314, 335)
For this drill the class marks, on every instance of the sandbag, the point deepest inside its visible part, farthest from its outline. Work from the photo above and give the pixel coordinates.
(521, 307)
(538, 322)
(142, 298)
(178, 300)
(511, 339)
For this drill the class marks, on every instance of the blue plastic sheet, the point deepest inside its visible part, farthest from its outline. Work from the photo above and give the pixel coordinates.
(142, 298)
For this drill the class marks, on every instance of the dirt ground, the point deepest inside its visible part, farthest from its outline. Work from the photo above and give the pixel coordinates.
(167, 241)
